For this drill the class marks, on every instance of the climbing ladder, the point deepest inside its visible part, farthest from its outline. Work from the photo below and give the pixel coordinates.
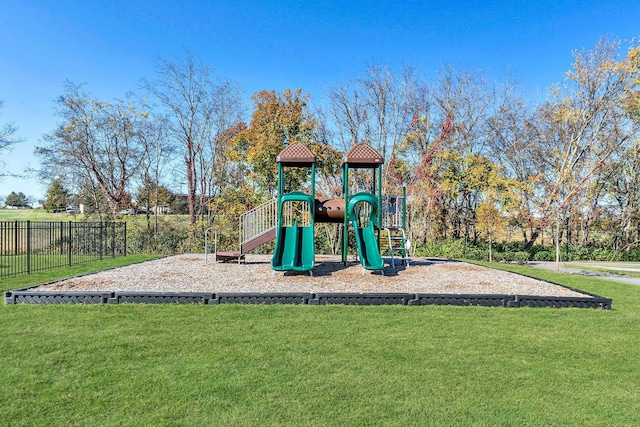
(394, 238)
(396, 241)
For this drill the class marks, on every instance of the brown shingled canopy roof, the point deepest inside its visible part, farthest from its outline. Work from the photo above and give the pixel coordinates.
(362, 155)
(296, 154)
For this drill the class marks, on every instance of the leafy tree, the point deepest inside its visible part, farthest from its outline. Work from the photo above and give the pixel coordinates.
(490, 222)
(92, 197)
(228, 208)
(153, 195)
(17, 200)
(57, 196)
(279, 120)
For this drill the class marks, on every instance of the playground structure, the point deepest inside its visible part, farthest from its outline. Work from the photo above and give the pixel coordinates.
(377, 222)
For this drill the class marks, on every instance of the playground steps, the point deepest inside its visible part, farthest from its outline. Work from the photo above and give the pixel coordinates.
(229, 256)
(246, 247)
(396, 241)
(256, 227)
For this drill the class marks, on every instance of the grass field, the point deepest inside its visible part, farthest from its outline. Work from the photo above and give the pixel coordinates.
(34, 215)
(604, 268)
(42, 215)
(321, 365)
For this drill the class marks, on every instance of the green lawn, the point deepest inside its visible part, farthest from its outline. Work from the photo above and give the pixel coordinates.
(322, 365)
(603, 268)
(35, 215)
(42, 215)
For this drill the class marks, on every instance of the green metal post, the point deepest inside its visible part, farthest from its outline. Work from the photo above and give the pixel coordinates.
(379, 192)
(404, 206)
(280, 192)
(313, 188)
(280, 181)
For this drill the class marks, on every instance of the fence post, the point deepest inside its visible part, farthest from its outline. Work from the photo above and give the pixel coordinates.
(61, 241)
(69, 245)
(113, 239)
(101, 240)
(124, 249)
(15, 237)
(28, 247)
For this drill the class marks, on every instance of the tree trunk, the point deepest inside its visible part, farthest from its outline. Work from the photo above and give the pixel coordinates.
(558, 239)
(532, 241)
(191, 187)
(490, 252)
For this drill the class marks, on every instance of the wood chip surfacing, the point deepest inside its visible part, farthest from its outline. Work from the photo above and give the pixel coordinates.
(189, 273)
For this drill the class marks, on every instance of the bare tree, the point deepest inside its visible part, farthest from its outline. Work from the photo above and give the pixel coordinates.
(348, 113)
(513, 142)
(7, 136)
(198, 109)
(99, 141)
(228, 109)
(584, 128)
(380, 108)
(467, 95)
(157, 159)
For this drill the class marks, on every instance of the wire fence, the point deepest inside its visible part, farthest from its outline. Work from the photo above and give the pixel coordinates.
(30, 246)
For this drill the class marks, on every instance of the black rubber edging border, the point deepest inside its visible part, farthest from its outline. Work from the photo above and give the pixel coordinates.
(26, 296)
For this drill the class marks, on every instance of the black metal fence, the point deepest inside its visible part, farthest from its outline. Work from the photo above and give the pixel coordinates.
(29, 246)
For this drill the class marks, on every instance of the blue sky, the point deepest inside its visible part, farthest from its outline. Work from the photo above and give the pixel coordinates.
(268, 44)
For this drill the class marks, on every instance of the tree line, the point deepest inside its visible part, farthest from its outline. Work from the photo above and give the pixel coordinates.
(480, 161)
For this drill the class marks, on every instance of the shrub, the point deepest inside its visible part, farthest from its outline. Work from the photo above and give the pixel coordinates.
(521, 258)
(544, 256)
(499, 256)
(576, 253)
(477, 254)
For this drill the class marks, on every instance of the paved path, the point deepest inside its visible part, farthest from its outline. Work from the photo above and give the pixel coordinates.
(575, 268)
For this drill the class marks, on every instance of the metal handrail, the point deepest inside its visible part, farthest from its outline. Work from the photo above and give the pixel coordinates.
(206, 245)
(258, 221)
(392, 219)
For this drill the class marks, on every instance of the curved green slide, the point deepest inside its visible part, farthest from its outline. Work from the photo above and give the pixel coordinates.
(366, 239)
(295, 246)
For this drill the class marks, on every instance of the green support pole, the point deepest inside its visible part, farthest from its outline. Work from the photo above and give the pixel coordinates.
(313, 188)
(404, 206)
(379, 191)
(280, 181)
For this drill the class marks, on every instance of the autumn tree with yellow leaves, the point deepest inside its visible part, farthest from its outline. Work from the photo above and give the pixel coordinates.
(279, 119)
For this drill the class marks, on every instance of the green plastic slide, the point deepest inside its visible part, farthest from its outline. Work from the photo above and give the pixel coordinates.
(366, 239)
(295, 249)
(368, 249)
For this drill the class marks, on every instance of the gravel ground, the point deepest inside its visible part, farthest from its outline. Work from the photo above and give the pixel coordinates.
(189, 273)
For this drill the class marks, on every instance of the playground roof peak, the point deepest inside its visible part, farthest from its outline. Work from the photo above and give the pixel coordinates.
(296, 154)
(362, 155)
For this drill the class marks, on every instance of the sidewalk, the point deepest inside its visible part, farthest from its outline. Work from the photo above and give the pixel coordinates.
(574, 268)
